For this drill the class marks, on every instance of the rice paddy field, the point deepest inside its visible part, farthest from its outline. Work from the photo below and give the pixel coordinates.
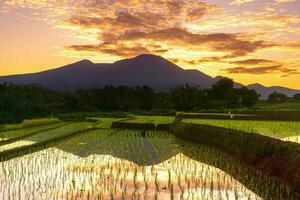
(89, 160)
(151, 119)
(284, 130)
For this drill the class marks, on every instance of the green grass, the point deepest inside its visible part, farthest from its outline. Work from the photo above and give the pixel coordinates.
(105, 163)
(106, 122)
(141, 148)
(12, 134)
(275, 129)
(29, 123)
(293, 105)
(45, 136)
(229, 113)
(152, 119)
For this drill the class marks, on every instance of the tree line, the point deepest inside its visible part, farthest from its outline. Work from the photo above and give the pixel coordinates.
(277, 97)
(24, 101)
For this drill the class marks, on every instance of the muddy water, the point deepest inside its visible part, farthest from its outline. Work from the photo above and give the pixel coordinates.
(110, 164)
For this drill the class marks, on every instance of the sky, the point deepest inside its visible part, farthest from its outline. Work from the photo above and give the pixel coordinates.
(251, 41)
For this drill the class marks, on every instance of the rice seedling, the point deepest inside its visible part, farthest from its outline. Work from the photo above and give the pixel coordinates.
(152, 119)
(29, 123)
(6, 136)
(107, 121)
(45, 136)
(122, 164)
(276, 129)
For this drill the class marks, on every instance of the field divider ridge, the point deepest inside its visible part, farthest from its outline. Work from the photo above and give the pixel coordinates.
(2, 129)
(142, 126)
(271, 156)
(259, 116)
(21, 151)
(4, 142)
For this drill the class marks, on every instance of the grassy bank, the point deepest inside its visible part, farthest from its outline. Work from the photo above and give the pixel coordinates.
(28, 123)
(271, 156)
(141, 126)
(272, 115)
(291, 105)
(7, 137)
(275, 129)
(42, 140)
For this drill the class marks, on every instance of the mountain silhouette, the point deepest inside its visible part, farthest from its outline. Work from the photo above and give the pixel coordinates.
(144, 69)
(150, 70)
(266, 91)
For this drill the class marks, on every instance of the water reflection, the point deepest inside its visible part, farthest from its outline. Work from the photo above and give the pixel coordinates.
(113, 164)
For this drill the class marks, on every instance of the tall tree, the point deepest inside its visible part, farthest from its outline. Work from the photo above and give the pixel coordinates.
(276, 97)
(222, 88)
(186, 97)
(296, 97)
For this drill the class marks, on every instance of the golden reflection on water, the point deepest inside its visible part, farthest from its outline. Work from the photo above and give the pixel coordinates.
(55, 174)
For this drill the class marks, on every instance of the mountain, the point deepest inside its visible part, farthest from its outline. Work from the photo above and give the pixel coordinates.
(265, 91)
(151, 70)
(145, 69)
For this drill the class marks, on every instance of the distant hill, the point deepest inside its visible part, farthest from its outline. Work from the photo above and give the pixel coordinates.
(265, 91)
(145, 69)
(150, 70)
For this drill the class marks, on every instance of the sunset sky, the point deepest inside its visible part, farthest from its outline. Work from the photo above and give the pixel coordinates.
(251, 41)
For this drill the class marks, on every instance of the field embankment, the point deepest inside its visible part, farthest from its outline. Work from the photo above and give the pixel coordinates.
(42, 140)
(29, 124)
(142, 126)
(271, 156)
(144, 123)
(264, 186)
(15, 135)
(276, 129)
(272, 115)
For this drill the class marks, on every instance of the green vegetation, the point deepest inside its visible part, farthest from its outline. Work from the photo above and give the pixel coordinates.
(238, 114)
(81, 116)
(278, 101)
(118, 155)
(106, 122)
(126, 164)
(151, 119)
(29, 123)
(276, 129)
(277, 98)
(21, 102)
(43, 137)
(19, 133)
(222, 95)
(289, 105)
(273, 157)
(296, 97)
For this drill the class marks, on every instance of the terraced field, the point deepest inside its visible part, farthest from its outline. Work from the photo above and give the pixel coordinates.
(152, 119)
(123, 164)
(90, 160)
(29, 124)
(106, 122)
(284, 130)
(19, 133)
(44, 136)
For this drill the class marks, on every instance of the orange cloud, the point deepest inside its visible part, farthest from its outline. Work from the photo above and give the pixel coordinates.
(241, 2)
(252, 62)
(262, 66)
(193, 33)
(278, 69)
(177, 37)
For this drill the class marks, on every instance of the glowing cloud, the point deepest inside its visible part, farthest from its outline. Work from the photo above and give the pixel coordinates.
(231, 36)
